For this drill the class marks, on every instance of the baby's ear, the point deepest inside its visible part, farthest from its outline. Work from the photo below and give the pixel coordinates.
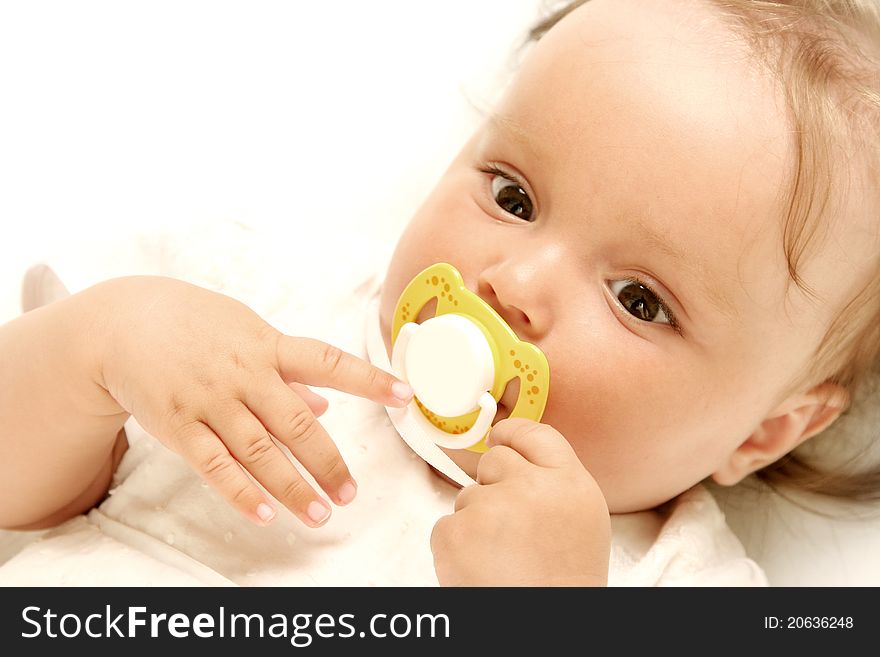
(799, 417)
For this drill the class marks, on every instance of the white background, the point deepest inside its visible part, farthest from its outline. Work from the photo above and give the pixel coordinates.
(289, 117)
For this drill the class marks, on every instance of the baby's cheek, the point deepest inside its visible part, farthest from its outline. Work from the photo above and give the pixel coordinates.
(586, 416)
(630, 428)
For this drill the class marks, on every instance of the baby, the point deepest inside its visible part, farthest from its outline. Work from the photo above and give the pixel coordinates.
(675, 201)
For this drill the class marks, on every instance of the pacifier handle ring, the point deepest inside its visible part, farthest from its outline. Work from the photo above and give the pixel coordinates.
(472, 436)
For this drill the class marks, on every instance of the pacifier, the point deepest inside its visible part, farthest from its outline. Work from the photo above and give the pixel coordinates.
(460, 361)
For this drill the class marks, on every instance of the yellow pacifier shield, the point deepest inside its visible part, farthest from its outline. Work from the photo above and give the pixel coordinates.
(511, 357)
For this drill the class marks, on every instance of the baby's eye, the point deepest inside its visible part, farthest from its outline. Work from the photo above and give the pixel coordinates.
(510, 195)
(640, 301)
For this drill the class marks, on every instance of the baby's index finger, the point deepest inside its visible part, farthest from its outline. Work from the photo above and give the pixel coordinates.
(539, 443)
(317, 363)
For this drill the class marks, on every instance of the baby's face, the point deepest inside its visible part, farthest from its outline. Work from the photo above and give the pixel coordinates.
(622, 210)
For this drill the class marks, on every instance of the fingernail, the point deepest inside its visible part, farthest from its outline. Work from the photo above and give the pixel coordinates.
(401, 390)
(347, 492)
(318, 512)
(265, 512)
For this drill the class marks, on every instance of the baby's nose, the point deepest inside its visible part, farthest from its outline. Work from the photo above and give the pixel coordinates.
(523, 314)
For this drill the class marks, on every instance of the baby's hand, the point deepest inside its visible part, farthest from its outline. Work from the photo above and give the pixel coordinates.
(210, 379)
(536, 517)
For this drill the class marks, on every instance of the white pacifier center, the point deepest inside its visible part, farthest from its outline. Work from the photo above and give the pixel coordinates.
(449, 364)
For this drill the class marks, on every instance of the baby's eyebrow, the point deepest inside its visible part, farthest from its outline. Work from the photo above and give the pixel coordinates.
(510, 128)
(699, 271)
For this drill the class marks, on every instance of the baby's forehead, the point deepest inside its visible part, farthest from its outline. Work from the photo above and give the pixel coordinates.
(647, 63)
(690, 34)
(634, 94)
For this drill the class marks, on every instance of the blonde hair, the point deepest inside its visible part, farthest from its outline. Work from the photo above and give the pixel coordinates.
(825, 54)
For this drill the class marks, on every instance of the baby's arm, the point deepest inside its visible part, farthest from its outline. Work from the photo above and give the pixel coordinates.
(201, 372)
(61, 432)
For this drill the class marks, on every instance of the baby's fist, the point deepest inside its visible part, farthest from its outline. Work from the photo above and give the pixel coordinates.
(535, 518)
